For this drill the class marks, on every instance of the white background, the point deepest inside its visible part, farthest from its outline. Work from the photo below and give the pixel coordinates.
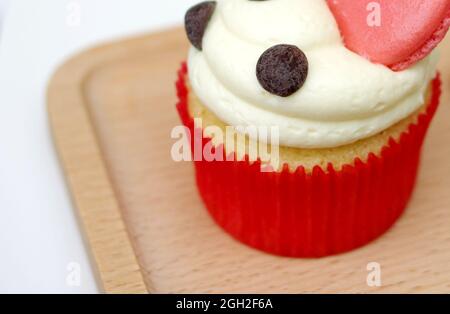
(39, 233)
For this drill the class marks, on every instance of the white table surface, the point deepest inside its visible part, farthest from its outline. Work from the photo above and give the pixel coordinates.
(40, 238)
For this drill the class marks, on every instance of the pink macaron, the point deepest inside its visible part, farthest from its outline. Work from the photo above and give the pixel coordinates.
(395, 33)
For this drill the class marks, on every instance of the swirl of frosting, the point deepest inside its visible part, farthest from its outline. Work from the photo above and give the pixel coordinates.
(345, 97)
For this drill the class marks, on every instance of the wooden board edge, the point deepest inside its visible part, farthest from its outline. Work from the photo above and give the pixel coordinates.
(87, 175)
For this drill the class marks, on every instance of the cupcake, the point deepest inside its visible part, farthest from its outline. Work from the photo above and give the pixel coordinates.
(307, 118)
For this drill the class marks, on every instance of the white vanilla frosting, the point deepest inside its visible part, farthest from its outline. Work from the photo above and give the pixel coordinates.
(345, 97)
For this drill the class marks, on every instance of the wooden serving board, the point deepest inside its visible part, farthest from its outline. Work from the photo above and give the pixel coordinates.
(112, 109)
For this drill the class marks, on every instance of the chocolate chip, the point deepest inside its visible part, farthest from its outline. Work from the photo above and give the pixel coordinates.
(196, 21)
(282, 70)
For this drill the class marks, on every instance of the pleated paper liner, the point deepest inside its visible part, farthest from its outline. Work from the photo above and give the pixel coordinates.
(325, 212)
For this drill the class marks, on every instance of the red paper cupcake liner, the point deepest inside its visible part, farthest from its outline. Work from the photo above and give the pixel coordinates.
(300, 214)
